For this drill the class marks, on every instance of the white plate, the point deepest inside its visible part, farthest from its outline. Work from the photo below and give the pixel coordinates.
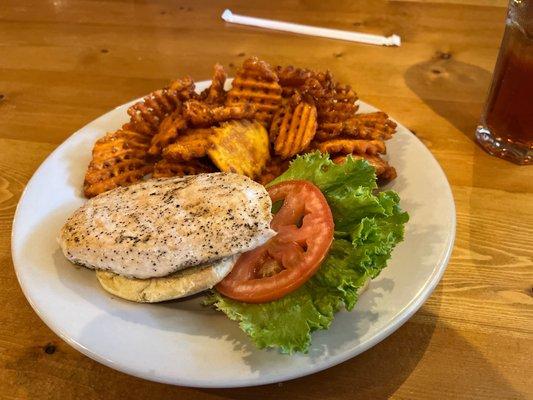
(185, 343)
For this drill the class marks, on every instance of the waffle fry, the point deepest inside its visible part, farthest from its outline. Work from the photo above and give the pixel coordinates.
(335, 109)
(302, 109)
(335, 102)
(327, 82)
(167, 132)
(376, 125)
(384, 171)
(184, 88)
(215, 94)
(293, 128)
(318, 86)
(167, 168)
(119, 159)
(192, 144)
(199, 114)
(292, 79)
(147, 114)
(351, 146)
(241, 147)
(256, 83)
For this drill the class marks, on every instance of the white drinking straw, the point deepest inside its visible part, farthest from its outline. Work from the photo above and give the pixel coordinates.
(393, 40)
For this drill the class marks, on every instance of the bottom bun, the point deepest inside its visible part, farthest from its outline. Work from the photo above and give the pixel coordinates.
(177, 285)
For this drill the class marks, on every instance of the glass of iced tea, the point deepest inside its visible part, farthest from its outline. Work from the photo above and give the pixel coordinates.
(506, 126)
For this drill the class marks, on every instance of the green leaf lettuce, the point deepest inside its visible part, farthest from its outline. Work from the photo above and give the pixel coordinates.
(367, 227)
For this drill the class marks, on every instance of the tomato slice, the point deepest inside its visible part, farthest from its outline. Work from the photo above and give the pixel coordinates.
(304, 227)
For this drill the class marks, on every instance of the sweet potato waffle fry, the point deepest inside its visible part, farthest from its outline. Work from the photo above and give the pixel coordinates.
(167, 132)
(175, 131)
(199, 114)
(184, 88)
(292, 79)
(193, 143)
(147, 114)
(351, 146)
(293, 127)
(307, 83)
(335, 109)
(335, 102)
(256, 83)
(215, 94)
(376, 125)
(119, 159)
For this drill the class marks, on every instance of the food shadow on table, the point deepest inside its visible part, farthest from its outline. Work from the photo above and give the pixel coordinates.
(376, 373)
(464, 85)
(380, 372)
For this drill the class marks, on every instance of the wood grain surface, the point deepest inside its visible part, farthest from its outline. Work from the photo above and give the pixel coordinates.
(63, 63)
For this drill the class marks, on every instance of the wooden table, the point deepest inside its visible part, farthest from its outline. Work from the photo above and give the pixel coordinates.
(63, 63)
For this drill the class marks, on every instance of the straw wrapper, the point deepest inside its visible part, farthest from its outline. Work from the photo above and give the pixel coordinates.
(393, 40)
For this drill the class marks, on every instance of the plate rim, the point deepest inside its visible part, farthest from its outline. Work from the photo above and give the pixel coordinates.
(409, 310)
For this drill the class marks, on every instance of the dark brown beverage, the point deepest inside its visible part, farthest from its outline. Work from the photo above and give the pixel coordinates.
(506, 128)
(510, 107)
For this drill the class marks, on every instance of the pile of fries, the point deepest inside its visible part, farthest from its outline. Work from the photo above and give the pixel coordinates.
(269, 116)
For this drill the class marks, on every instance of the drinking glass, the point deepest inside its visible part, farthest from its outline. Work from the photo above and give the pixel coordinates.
(506, 126)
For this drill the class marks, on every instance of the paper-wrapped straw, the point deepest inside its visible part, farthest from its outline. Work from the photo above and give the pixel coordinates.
(393, 40)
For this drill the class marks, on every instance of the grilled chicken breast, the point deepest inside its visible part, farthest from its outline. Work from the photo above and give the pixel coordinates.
(154, 228)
